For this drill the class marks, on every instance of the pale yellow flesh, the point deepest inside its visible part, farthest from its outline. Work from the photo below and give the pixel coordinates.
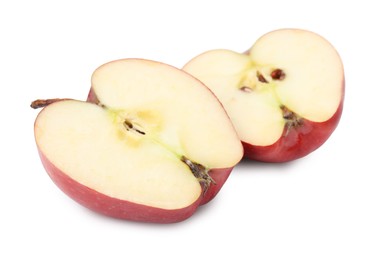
(312, 87)
(172, 107)
(91, 144)
(81, 140)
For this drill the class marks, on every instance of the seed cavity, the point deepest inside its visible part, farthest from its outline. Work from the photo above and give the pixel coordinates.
(260, 80)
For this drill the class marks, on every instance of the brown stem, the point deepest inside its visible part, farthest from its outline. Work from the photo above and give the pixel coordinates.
(45, 102)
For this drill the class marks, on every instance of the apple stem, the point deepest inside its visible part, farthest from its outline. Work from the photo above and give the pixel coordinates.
(45, 102)
(200, 172)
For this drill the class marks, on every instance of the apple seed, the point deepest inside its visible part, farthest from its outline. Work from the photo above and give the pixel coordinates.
(129, 126)
(278, 74)
(200, 172)
(261, 78)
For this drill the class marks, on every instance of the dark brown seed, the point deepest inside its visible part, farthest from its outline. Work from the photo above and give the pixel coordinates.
(278, 74)
(261, 78)
(128, 125)
(139, 131)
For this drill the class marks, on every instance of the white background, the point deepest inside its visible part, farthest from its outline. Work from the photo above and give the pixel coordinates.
(320, 207)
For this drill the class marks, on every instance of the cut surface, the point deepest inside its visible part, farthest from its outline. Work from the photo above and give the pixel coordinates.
(292, 70)
(151, 139)
(81, 140)
(312, 87)
(175, 109)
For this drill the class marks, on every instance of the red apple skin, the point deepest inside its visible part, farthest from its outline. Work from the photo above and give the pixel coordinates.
(296, 142)
(219, 176)
(122, 209)
(92, 97)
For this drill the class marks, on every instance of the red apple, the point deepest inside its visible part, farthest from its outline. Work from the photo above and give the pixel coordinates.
(152, 144)
(284, 96)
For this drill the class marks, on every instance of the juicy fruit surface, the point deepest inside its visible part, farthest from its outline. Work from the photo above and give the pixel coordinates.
(79, 138)
(175, 109)
(130, 145)
(314, 71)
(257, 102)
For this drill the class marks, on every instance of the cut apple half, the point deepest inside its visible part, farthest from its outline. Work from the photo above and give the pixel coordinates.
(284, 95)
(151, 144)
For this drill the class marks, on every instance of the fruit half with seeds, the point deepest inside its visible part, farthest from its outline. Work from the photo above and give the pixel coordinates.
(151, 144)
(284, 96)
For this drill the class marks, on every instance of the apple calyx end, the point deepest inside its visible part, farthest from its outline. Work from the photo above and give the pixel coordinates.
(292, 119)
(200, 172)
(261, 77)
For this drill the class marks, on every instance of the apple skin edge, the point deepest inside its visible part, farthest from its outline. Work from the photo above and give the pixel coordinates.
(296, 142)
(92, 97)
(219, 176)
(122, 209)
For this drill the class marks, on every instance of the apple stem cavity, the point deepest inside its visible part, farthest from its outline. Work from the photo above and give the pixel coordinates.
(39, 103)
(200, 172)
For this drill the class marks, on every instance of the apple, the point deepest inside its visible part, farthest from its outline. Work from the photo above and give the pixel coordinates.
(150, 144)
(284, 95)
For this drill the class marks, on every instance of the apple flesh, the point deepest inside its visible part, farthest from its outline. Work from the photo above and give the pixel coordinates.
(284, 95)
(151, 144)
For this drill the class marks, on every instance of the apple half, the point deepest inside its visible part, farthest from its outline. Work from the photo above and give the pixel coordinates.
(151, 144)
(284, 95)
